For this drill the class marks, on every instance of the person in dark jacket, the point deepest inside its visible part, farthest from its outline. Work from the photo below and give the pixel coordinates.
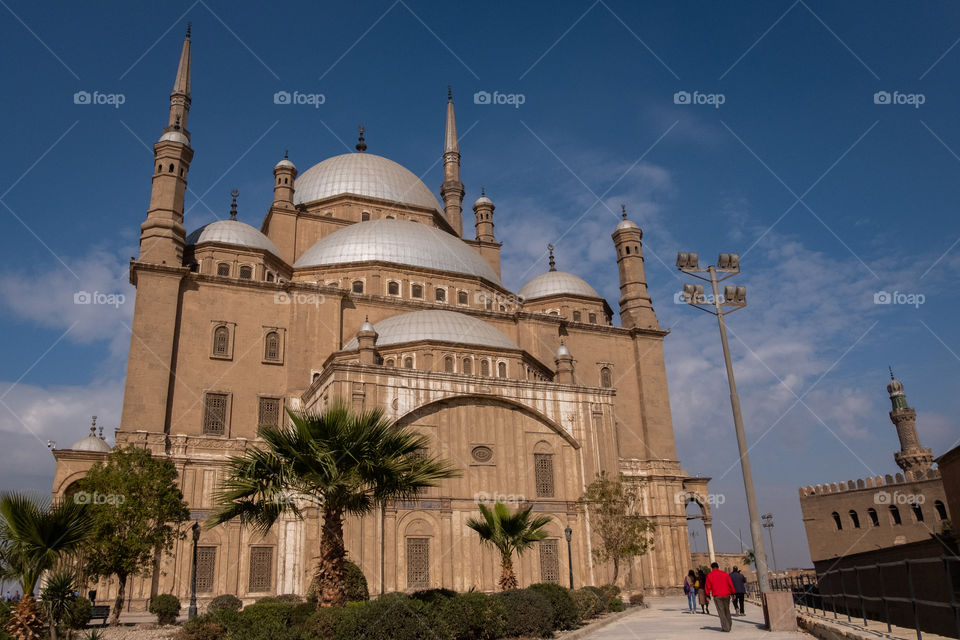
(739, 590)
(720, 588)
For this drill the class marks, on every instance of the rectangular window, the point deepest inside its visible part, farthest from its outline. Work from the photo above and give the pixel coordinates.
(418, 563)
(268, 413)
(549, 561)
(261, 569)
(215, 414)
(206, 568)
(543, 469)
(576, 316)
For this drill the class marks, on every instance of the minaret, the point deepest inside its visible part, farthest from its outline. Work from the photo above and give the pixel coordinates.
(452, 189)
(636, 310)
(284, 173)
(913, 458)
(162, 234)
(483, 211)
(564, 362)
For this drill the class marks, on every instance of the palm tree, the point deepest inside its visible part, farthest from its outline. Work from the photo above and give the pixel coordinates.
(56, 597)
(343, 461)
(508, 532)
(749, 558)
(33, 536)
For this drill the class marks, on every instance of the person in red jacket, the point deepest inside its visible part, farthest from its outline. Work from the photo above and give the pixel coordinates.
(720, 586)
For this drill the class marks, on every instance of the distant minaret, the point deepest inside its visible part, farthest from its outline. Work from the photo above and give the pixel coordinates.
(636, 310)
(483, 212)
(162, 234)
(452, 189)
(912, 457)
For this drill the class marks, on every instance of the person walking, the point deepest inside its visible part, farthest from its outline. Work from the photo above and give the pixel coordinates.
(739, 590)
(690, 588)
(720, 587)
(702, 596)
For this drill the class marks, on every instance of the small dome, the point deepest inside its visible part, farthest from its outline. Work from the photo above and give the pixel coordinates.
(367, 326)
(285, 163)
(175, 136)
(554, 283)
(91, 443)
(895, 387)
(627, 224)
(562, 351)
(232, 232)
(363, 174)
(398, 242)
(482, 200)
(439, 326)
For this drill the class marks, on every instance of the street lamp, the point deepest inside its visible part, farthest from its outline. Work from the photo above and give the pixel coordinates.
(568, 534)
(768, 525)
(733, 299)
(192, 611)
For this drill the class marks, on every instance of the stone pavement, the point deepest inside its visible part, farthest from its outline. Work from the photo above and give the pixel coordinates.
(666, 619)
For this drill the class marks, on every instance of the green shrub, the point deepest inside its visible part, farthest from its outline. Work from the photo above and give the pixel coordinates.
(78, 613)
(528, 614)
(322, 623)
(589, 603)
(213, 625)
(473, 616)
(431, 596)
(5, 612)
(566, 614)
(636, 599)
(616, 604)
(270, 621)
(166, 607)
(226, 602)
(290, 598)
(356, 585)
(393, 616)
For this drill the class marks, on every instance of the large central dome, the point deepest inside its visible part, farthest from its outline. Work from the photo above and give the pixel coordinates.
(440, 326)
(398, 242)
(363, 174)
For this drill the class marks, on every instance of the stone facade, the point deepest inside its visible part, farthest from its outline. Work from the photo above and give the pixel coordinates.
(531, 400)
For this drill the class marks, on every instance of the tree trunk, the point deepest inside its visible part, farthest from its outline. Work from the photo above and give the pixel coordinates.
(508, 580)
(118, 603)
(331, 579)
(616, 570)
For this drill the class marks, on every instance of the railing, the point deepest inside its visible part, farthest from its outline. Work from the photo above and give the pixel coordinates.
(921, 594)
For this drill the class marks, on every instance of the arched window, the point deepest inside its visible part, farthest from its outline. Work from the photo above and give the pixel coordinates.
(357, 286)
(393, 288)
(502, 308)
(170, 168)
(874, 518)
(489, 304)
(606, 379)
(895, 515)
(269, 276)
(389, 363)
(593, 318)
(246, 272)
(543, 474)
(628, 250)
(941, 510)
(502, 370)
(389, 217)
(314, 377)
(485, 368)
(917, 512)
(221, 341)
(448, 365)
(364, 216)
(408, 363)
(416, 291)
(461, 297)
(440, 295)
(467, 366)
(576, 316)
(836, 521)
(223, 269)
(855, 519)
(271, 346)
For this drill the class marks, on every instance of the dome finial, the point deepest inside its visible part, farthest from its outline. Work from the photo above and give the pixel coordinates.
(553, 263)
(361, 145)
(449, 93)
(189, 26)
(623, 210)
(891, 372)
(233, 205)
(93, 425)
(483, 191)
(286, 154)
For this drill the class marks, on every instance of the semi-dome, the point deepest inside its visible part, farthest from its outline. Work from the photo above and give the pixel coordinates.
(363, 174)
(439, 326)
(555, 283)
(398, 242)
(91, 443)
(232, 232)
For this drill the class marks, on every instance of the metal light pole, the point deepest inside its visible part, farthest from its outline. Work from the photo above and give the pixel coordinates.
(694, 534)
(568, 534)
(734, 298)
(768, 525)
(192, 611)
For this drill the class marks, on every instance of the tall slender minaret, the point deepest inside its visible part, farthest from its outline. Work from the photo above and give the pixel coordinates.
(162, 234)
(913, 458)
(452, 189)
(636, 309)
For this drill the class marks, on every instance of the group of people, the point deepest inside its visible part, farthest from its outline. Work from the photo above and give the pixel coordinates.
(723, 587)
(14, 598)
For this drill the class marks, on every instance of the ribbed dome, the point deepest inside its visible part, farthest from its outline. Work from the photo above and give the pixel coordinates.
(232, 232)
(440, 326)
(398, 242)
(91, 443)
(363, 174)
(553, 283)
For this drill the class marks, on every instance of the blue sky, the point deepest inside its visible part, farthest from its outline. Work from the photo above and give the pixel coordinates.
(828, 196)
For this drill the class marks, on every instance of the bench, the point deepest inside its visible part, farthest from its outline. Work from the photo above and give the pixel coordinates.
(101, 612)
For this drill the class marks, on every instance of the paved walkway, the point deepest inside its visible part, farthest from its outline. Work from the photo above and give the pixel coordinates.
(667, 619)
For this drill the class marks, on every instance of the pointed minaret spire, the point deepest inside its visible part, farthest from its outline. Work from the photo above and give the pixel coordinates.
(233, 205)
(361, 144)
(553, 263)
(913, 457)
(452, 190)
(180, 96)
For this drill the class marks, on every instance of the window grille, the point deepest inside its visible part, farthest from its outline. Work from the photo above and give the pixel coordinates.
(246, 273)
(223, 269)
(221, 341)
(462, 297)
(416, 291)
(271, 348)
(484, 368)
(268, 413)
(543, 469)
(261, 569)
(441, 295)
(393, 288)
(215, 414)
(502, 370)
(358, 286)
(206, 566)
(606, 380)
(418, 563)
(549, 561)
